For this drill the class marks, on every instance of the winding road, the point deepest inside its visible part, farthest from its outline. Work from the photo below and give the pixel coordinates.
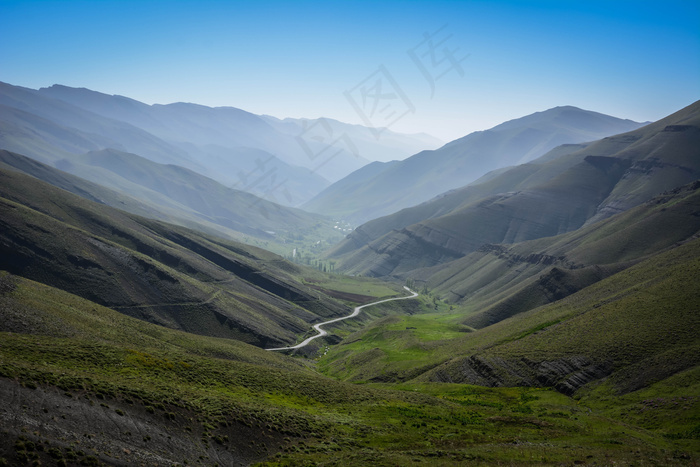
(355, 312)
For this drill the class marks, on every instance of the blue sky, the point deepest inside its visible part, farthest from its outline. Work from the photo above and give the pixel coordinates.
(352, 61)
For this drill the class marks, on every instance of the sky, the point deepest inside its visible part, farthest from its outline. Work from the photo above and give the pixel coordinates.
(446, 68)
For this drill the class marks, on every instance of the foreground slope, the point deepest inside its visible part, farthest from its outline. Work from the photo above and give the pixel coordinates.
(84, 385)
(154, 271)
(543, 198)
(430, 173)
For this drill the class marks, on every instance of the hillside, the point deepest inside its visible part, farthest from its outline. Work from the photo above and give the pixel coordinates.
(430, 173)
(581, 185)
(637, 327)
(630, 340)
(180, 196)
(84, 385)
(158, 272)
(499, 281)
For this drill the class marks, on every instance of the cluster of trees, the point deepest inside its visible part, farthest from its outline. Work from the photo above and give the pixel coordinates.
(308, 259)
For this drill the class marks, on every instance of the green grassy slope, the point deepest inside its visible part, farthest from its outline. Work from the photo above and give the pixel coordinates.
(498, 281)
(540, 199)
(82, 384)
(626, 347)
(638, 326)
(158, 272)
(623, 283)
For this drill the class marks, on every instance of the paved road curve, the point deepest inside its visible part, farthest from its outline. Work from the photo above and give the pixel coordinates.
(355, 312)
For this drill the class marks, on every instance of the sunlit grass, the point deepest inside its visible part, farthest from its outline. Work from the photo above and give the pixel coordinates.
(95, 353)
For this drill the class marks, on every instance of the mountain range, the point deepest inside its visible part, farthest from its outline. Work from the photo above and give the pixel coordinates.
(388, 188)
(556, 322)
(154, 271)
(283, 161)
(572, 186)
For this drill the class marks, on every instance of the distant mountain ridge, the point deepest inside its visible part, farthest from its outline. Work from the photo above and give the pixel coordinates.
(391, 146)
(429, 173)
(174, 194)
(280, 161)
(233, 128)
(579, 186)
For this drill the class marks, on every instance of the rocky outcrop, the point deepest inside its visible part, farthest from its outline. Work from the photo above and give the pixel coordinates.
(567, 375)
(506, 253)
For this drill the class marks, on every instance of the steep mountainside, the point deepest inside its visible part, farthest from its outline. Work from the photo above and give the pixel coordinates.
(538, 199)
(499, 281)
(174, 194)
(430, 173)
(635, 327)
(340, 194)
(153, 271)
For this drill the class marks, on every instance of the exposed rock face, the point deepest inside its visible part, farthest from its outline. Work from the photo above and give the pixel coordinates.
(504, 252)
(566, 375)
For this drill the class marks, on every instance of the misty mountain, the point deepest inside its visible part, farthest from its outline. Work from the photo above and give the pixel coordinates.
(389, 146)
(430, 173)
(554, 195)
(326, 147)
(257, 172)
(173, 194)
(35, 120)
(286, 162)
(48, 135)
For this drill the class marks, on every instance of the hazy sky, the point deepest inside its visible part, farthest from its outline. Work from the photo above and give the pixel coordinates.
(443, 67)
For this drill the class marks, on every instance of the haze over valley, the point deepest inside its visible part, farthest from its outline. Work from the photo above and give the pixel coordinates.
(274, 238)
